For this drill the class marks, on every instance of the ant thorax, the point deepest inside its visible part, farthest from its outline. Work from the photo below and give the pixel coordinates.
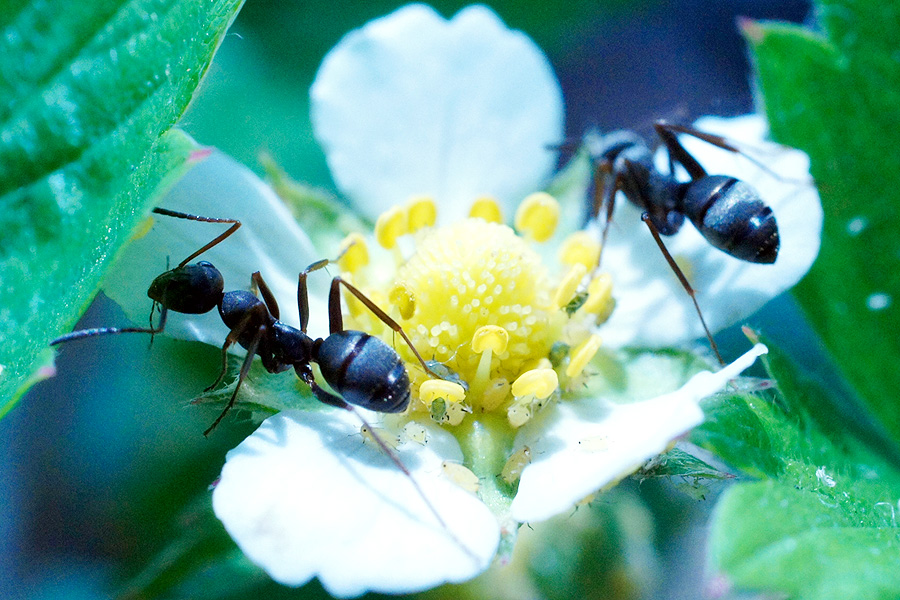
(504, 331)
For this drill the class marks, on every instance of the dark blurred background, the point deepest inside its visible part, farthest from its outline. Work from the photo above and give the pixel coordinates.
(99, 459)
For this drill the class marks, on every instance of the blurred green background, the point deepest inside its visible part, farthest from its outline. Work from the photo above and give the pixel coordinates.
(100, 459)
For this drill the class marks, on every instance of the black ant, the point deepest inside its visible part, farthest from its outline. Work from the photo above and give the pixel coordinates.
(363, 369)
(726, 211)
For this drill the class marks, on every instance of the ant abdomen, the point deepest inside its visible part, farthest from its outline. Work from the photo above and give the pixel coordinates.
(190, 289)
(733, 218)
(364, 370)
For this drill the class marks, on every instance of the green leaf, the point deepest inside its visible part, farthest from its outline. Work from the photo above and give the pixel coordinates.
(88, 94)
(823, 522)
(835, 95)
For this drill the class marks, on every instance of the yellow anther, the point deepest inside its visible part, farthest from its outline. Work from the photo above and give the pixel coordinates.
(486, 208)
(537, 383)
(537, 216)
(390, 225)
(582, 354)
(354, 253)
(461, 476)
(566, 290)
(580, 248)
(432, 389)
(490, 337)
(402, 297)
(421, 212)
(600, 301)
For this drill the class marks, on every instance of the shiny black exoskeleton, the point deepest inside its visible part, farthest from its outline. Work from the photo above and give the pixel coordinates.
(728, 212)
(364, 370)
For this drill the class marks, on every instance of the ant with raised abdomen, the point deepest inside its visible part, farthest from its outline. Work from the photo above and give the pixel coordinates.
(363, 369)
(727, 212)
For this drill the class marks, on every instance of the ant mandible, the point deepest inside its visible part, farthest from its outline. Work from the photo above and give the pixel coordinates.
(727, 212)
(363, 369)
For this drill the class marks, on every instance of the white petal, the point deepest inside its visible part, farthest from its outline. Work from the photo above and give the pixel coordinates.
(269, 241)
(584, 445)
(414, 104)
(652, 308)
(304, 497)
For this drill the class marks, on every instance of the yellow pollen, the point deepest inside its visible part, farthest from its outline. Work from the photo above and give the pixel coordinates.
(486, 208)
(582, 354)
(490, 337)
(432, 389)
(354, 253)
(566, 290)
(536, 383)
(580, 248)
(402, 298)
(483, 307)
(537, 216)
(421, 212)
(600, 301)
(390, 225)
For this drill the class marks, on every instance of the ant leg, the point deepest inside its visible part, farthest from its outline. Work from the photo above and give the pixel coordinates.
(215, 241)
(336, 320)
(684, 282)
(305, 373)
(667, 131)
(258, 283)
(611, 183)
(303, 294)
(86, 333)
(245, 368)
(677, 152)
(232, 337)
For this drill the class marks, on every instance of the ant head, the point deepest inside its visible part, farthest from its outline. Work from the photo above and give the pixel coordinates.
(191, 289)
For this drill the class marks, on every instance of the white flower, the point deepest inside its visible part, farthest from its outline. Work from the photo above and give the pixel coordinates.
(413, 105)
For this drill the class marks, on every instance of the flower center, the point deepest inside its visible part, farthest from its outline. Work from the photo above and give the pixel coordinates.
(476, 298)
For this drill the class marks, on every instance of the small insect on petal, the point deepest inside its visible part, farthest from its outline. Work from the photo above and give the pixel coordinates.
(461, 476)
(512, 470)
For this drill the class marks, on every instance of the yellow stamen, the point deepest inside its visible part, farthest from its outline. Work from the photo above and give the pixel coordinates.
(354, 253)
(566, 290)
(580, 248)
(432, 389)
(600, 301)
(402, 298)
(490, 338)
(487, 341)
(537, 383)
(486, 208)
(537, 216)
(422, 212)
(582, 354)
(390, 225)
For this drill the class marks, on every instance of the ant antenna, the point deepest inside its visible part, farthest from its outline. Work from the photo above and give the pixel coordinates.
(645, 217)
